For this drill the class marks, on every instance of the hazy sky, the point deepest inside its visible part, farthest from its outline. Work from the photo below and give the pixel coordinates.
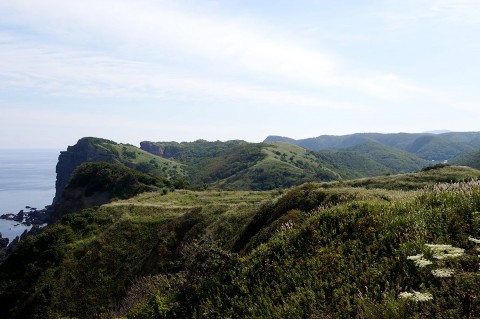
(133, 70)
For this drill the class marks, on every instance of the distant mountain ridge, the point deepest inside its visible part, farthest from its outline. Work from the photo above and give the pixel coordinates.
(427, 146)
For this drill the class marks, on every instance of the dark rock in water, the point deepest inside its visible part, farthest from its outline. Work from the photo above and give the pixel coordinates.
(19, 217)
(37, 217)
(34, 216)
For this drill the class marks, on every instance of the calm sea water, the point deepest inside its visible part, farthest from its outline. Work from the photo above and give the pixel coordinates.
(27, 178)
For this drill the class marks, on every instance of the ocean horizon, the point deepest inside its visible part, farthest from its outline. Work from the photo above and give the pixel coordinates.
(27, 178)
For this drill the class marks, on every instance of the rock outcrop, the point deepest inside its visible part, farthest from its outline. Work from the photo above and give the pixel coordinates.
(165, 151)
(86, 150)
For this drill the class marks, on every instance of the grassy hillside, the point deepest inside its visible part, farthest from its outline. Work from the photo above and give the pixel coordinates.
(281, 165)
(260, 166)
(242, 165)
(314, 251)
(138, 159)
(471, 159)
(83, 264)
(436, 147)
(97, 183)
(350, 164)
(413, 181)
(395, 160)
(369, 159)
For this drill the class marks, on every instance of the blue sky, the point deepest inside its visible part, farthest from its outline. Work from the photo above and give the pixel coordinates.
(133, 70)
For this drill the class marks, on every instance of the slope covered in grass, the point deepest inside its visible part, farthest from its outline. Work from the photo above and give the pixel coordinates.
(393, 159)
(437, 147)
(260, 166)
(242, 165)
(412, 181)
(311, 251)
(471, 159)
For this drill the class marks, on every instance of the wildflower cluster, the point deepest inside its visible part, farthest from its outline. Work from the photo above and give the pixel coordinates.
(416, 296)
(419, 260)
(445, 251)
(475, 240)
(284, 228)
(443, 272)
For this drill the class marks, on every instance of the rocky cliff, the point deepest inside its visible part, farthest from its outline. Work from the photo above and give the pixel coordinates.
(86, 150)
(166, 151)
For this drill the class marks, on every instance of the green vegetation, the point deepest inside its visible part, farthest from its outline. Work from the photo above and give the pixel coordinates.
(332, 250)
(97, 183)
(436, 147)
(133, 157)
(238, 165)
(117, 180)
(263, 166)
(413, 181)
(471, 159)
(393, 159)
(244, 166)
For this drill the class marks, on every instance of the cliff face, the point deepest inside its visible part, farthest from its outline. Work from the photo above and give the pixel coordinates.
(84, 151)
(159, 150)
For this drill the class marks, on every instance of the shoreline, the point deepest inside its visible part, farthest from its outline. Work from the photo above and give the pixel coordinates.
(31, 217)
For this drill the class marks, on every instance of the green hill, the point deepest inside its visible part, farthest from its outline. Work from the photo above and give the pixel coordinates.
(92, 149)
(413, 181)
(431, 147)
(242, 165)
(237, 164)
(471, 159)
(258, 166)
(370, 159)
(326, 250)
(97, 183)
(350, 164)
(395, 160)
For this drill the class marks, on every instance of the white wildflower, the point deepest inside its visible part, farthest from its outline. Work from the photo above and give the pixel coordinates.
(476, 241)
(415, 257)
(406, 295)
(422, 262)
(416, 296)
(445, 251)
(419, 260)
(443, 272)
(287, 226)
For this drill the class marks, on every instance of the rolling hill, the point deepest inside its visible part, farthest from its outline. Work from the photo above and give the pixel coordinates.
(242, 165)
(431, 147)
(471, 159)
(239, 165)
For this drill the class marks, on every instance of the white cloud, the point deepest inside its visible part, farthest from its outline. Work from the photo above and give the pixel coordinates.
(85, 46)
(442, 13)
(222, 44)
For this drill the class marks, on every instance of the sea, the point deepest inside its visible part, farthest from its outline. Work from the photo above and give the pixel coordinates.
(27, 178)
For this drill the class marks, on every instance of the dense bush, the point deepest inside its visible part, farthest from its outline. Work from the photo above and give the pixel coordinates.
(117, 180)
